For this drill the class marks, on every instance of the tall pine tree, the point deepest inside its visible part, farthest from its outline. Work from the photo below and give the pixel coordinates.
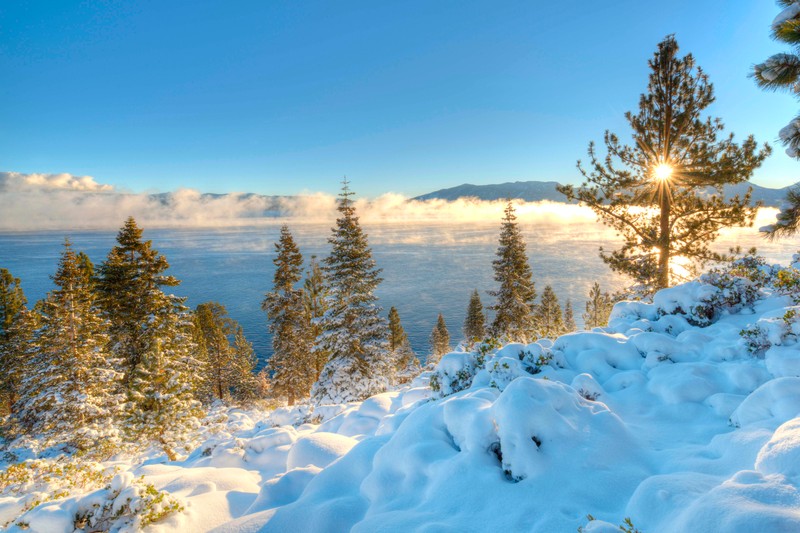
(354, 333)
(12, 307)
(292, 362)
(152, 333)
(71, 393)
(515, 299)
(655, 193)
(475, 322)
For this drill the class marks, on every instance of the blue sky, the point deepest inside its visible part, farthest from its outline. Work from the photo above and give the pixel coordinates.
(279, 97)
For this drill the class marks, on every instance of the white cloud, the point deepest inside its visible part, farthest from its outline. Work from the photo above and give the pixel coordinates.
(18, 182)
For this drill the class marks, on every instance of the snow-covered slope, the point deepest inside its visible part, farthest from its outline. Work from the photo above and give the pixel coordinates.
(670, 416)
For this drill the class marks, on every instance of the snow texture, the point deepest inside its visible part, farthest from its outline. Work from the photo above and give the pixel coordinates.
(667, 416)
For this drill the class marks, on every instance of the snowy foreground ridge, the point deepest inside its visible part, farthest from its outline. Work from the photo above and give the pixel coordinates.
(670, 416)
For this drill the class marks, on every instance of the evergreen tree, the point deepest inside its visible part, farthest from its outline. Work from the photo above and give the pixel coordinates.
(548, 316)
(598, 308)
(315, 294)
(406, 363)
(354, 333)
(152, 333)
(440, 340)
(12, 307)
(228, 357)
(656, 192)
(569, 318)
(129, 284)
(71, 392)
(474, 323)
(292, 363)
(515, 299)
(782, 72)
(248, 385)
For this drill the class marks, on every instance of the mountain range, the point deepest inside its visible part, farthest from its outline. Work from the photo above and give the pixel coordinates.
(534, 191)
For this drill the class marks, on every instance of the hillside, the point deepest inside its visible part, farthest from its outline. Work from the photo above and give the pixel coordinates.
(535, 191)
(682, 415)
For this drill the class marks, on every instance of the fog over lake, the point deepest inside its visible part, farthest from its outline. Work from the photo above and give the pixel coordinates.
(428, 267)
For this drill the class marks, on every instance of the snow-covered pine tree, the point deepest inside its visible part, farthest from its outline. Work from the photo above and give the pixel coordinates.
(547, 316)
(440, 340)
(406, 363)
(12, 305)
(247, 387)
(315, 294)
(152, 333)
(569, 318)
(354, 332)
(224, 350)
(515, 299)
(292, 362)
(71, 392)
(475, 322)
(129, 285)
(598, 308)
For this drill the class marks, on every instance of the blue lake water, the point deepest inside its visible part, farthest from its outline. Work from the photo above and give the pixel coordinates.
(427, 268)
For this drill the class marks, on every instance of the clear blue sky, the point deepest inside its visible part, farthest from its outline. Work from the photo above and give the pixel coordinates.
(278, 97)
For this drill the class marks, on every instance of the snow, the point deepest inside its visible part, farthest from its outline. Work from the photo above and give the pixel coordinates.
(682, 414)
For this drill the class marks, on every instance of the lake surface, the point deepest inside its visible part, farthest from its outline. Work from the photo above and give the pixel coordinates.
(427, 268)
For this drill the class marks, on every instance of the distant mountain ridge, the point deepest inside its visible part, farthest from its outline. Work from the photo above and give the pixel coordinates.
(536, 191)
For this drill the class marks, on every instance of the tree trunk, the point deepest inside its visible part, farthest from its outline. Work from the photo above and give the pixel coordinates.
(663, 258)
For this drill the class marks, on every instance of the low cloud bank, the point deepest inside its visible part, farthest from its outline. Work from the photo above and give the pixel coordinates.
(31, 202)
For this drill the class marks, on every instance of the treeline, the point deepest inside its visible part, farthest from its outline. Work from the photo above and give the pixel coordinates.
(111, 356)
(108, 356)
(329, 338)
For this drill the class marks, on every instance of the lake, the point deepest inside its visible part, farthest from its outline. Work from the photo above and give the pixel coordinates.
(428, 267)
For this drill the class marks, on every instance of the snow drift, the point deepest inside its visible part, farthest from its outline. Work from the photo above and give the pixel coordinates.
(682, 415)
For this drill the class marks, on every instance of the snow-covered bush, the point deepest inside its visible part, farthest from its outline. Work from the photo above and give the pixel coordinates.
(511, 362)
(774, 329)
(126, 504)
(40, 481)
(455, 371)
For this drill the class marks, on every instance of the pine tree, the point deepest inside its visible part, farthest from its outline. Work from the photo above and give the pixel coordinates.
(71, 393)
(406, 363)
(598, 308)
(354, 332)
(152, 333)
(315, 302)
(474, 323)
(228, 357)
(292, 363)
(548, 317)
(569, 318)
(440, 340)
(129, 284)
(12, 306)
(782, 72)
(664, 194)
(247, 388)
(515, 299)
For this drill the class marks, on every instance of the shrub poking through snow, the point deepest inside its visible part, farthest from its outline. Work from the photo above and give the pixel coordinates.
(779, 330)
(787, 283)
(455, 372)
(42, 481)
(126, 504)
